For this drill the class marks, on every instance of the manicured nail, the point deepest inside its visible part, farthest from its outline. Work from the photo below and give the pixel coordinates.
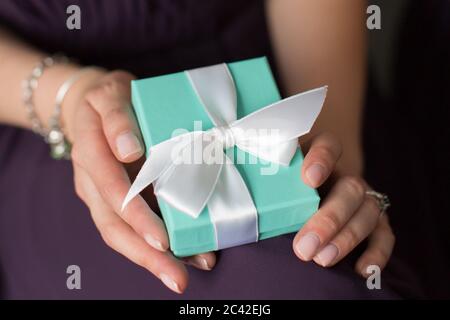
(128, 144)
(308, 245)
(315, 174)
(154, 243)
(327, 255)
(170, 283)
(200, 262)
(363, 271)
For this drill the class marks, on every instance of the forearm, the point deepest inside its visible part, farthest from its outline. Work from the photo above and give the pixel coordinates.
(17, 60)
(322, 42)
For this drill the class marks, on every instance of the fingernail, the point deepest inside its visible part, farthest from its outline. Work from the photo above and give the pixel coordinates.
(308, 245)
(154, 243)
(200, 262)
(170, 283)
(363, 271)
(128, 144)
(315, 174)
(327, 255)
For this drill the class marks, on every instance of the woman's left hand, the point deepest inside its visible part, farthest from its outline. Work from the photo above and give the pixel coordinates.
(346, 217)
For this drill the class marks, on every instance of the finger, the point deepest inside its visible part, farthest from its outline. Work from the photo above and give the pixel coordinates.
(146, 223)
(319, 162)
(344, 199)
(120, 237)
(356, 230)
(92, 153)
(204, 261)
(112, 102)
(379, 249)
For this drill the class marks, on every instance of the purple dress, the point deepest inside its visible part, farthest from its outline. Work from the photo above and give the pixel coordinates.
(44, 227)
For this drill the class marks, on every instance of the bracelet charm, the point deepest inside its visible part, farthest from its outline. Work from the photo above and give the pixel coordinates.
(59, 146)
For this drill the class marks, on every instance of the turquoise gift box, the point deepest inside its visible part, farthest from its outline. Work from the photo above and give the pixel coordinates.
(167, 103)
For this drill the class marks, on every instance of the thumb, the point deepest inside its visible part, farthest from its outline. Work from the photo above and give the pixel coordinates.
(111, 100)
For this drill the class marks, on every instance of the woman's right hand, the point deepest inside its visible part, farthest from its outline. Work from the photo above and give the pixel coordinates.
(105, 136)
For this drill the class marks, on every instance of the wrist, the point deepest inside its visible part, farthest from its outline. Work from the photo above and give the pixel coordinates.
(75, 96)
(50, 83)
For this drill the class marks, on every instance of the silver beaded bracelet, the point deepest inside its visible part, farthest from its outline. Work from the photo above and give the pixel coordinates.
(30, 84)
(54, 135)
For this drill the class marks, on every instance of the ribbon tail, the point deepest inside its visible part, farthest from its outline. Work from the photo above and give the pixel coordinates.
(232, 210)
(160, 158)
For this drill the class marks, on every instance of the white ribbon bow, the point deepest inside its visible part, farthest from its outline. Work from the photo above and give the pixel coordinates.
(189, 187)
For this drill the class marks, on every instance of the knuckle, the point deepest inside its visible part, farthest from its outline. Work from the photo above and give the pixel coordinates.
(330, 220)
(385, 230)
(107, 93)
(79, 120)
(117, 83)
(117, 121)
(121, 76)
(134, 214)
(350, 238)
(113, 87)
(112, 102)
(354, 185)
(75, 155)
(325, 153)
(113, 191)
(109, 191)
(144, 261)
(390, 236)
(106, 237)
(373, 206)
(380, 255)
(115, 114)
(79, 190)
(108, 233)
(133, 219)
(94, 94)
(330, 138)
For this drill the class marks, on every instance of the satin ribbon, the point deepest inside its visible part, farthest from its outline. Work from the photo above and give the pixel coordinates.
(190, 186)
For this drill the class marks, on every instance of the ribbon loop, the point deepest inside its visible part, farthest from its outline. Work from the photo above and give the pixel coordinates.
(176, 185)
